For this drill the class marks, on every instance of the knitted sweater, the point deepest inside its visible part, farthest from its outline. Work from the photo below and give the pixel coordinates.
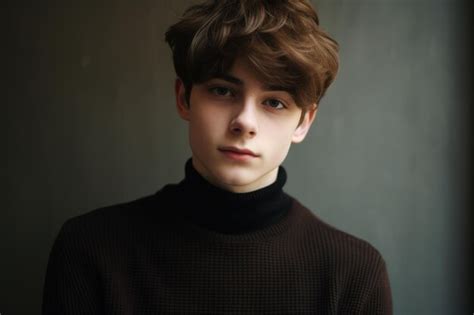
(195, 248)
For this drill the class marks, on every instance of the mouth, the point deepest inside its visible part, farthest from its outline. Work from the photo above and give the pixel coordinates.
(239, 151)
(238, 154)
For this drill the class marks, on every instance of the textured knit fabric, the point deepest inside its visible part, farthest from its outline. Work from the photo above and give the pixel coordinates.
(193, 248)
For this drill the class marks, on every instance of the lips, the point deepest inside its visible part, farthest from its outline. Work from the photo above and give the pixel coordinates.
(242, 151)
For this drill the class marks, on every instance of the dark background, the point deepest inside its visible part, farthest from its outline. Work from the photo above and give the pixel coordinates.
(89, 120)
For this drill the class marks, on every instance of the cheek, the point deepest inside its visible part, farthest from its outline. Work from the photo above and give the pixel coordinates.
(279, 139)
(207, 121)
(279, 133)
(281, 152)
(203, 126)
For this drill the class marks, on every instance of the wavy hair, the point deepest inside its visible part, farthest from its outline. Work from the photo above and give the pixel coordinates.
(280, 39)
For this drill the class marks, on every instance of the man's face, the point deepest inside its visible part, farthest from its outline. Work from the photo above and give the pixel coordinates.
(239, 111)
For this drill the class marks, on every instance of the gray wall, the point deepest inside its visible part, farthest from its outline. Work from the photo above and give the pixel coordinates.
(90, 121)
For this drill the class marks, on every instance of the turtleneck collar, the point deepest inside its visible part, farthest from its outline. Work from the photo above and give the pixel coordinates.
(220, 210)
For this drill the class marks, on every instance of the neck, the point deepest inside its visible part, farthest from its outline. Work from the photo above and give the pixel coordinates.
(265, 180)
(225, 211)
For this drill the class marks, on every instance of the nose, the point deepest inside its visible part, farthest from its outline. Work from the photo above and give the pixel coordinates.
(244, 122)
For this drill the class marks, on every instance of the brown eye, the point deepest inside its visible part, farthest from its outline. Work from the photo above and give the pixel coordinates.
(275, 104)
(220, 91)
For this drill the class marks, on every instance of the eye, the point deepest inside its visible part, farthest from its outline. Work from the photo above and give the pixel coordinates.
(275, 104)
(220, 91)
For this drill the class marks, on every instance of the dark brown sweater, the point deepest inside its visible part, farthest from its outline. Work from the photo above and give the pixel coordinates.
(195, 248)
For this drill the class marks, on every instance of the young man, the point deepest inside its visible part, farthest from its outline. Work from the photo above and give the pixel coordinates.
(227, 238)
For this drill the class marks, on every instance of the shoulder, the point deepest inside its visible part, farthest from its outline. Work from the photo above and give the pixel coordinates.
(141, 208)
(117, 222)
(110, 215)
(352, 267)
(340, 248)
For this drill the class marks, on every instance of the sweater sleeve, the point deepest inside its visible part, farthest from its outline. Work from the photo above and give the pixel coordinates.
(71, 284)
(379, 301)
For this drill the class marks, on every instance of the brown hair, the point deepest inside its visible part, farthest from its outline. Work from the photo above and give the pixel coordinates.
(281, 40)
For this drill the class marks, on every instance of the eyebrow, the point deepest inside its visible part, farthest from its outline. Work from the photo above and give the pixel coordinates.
(229, 78)
(239, 82)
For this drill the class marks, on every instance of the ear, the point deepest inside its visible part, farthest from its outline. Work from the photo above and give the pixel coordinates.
(300, 133)
(181, 104)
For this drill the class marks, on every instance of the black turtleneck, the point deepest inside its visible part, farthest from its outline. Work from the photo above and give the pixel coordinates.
(223, 211)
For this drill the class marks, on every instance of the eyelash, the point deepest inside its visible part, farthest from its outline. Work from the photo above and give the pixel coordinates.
(213, 90)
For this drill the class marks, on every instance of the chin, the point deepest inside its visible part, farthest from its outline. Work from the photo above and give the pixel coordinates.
(235, 178)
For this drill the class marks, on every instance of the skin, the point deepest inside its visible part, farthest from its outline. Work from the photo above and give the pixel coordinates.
(244, 114)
